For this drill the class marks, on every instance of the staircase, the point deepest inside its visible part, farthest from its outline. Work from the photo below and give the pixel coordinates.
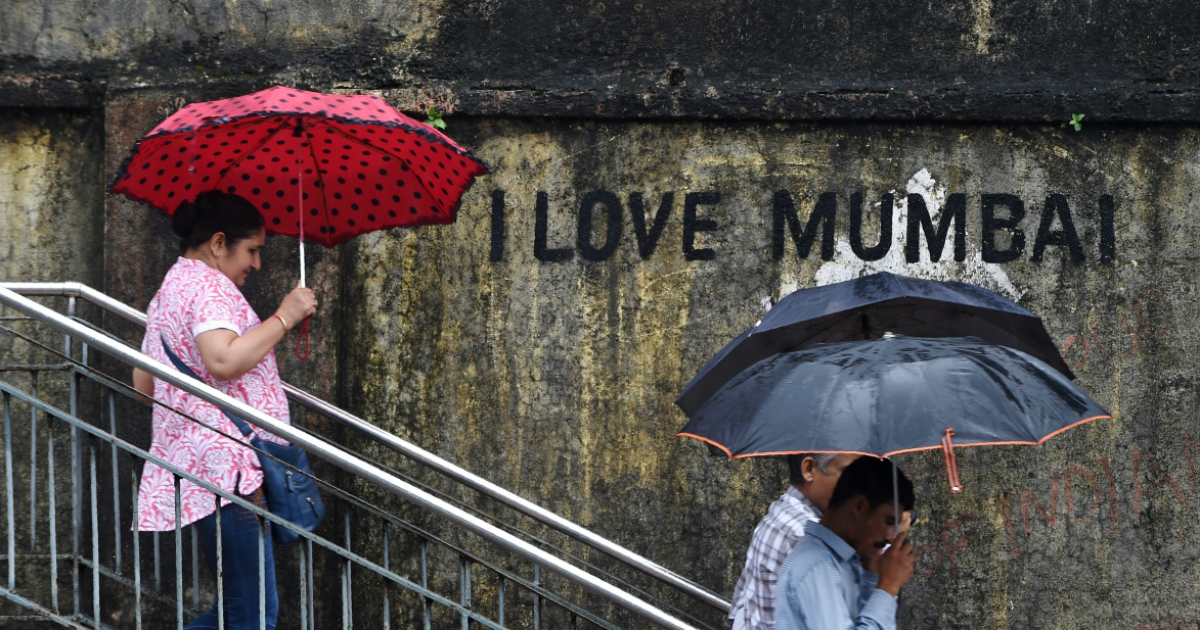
(477, 557)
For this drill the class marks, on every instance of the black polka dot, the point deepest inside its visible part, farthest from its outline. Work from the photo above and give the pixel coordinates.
(396, 198)
(255, 191)
(276, 221)
(412, 209)
(245, 177)
(371, 217)
(313, 212)
(374, 202)
(337, 195)
(417, 195)
(266, 205)
(350, 222)
(392, 213)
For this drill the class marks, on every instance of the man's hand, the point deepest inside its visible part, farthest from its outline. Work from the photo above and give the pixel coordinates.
(895, 566)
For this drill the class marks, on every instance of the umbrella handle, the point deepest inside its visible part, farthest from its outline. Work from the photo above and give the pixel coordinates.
(951, 462)
(302, 336)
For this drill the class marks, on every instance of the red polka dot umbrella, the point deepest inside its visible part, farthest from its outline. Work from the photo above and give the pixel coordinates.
(322, 167)
(328, 166)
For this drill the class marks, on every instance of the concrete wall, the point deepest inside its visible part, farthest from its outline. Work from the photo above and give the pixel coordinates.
(557, 377)
(547, 360)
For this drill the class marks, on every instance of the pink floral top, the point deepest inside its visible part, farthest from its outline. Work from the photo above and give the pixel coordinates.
(195, 299)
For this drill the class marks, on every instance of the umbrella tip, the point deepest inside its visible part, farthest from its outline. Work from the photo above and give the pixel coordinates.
(889, 335)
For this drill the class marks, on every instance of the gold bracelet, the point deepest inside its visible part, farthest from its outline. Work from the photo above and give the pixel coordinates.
(283, 321)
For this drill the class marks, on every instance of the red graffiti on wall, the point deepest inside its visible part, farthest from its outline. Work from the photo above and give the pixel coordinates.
(930, 557)
(1083, 491)
(1150, 316)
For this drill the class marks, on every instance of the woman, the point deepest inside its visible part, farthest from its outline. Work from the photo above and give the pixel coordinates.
(201, 315)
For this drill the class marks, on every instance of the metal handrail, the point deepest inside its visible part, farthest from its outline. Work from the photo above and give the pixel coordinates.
(463, 476)
(343, 460)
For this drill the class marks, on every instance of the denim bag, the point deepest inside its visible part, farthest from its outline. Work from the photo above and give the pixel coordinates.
(291, 495)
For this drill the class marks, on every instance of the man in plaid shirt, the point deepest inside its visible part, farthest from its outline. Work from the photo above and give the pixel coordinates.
(813, 478)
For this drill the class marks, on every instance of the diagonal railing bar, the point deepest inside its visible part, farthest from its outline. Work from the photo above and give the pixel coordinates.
(416, 453)
(180, 473)
(349, 462)
(340, 493)
(128, 391)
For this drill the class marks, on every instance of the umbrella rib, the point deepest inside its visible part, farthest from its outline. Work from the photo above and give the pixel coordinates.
(317, 173)
(225, 171)
(388, 153)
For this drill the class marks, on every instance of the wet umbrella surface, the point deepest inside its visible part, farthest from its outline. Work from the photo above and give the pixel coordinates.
(892, 395)
(351, 163)
(867, 308)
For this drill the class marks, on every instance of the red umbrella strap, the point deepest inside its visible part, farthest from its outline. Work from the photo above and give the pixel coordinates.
(951, 462)
(302, 336)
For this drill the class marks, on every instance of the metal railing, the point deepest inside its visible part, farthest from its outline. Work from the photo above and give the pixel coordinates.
(91, 395)
(415, 453)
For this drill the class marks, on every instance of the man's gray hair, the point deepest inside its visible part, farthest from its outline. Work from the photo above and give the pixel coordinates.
(822, 460)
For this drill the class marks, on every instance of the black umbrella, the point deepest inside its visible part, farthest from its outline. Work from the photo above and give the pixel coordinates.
(892, 395)
(866, 308)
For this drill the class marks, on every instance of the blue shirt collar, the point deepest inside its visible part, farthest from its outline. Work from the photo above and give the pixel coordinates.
(839, 547)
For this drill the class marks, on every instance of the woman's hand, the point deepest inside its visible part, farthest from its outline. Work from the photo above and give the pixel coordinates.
(299, 305)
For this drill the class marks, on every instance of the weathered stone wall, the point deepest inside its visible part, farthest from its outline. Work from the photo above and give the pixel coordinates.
(557, 378)
(546, 358)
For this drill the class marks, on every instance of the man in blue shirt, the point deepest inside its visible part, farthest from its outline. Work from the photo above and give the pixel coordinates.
(838, 576)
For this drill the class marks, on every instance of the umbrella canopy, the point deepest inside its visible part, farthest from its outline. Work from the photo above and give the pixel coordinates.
(350, 163)
(868, 307)
(887, 396)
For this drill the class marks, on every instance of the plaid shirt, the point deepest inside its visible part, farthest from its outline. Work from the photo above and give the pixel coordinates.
(773, 540)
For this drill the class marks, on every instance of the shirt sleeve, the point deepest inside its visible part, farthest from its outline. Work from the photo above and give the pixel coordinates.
(816, 602)
(216, 308)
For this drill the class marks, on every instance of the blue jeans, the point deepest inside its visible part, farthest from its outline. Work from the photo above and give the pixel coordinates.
(239, 555)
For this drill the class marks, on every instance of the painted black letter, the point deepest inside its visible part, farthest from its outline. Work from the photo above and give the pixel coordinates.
(1056, 205)
(1016, 212)
(497, 226)
(613, 236)
(885, 228)
(1108, 236)
(824, 211)
(954, 211)
(691, 224)
(647, 241)
(539, 234)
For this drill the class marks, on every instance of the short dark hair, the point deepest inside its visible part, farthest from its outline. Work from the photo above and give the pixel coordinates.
(214, 211)
(872, 478)
(796, 462)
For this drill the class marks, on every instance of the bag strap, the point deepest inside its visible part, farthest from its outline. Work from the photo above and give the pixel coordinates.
(179, 365)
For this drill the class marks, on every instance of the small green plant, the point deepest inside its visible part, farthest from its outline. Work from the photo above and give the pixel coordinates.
(1077, 121)
(434, 118)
